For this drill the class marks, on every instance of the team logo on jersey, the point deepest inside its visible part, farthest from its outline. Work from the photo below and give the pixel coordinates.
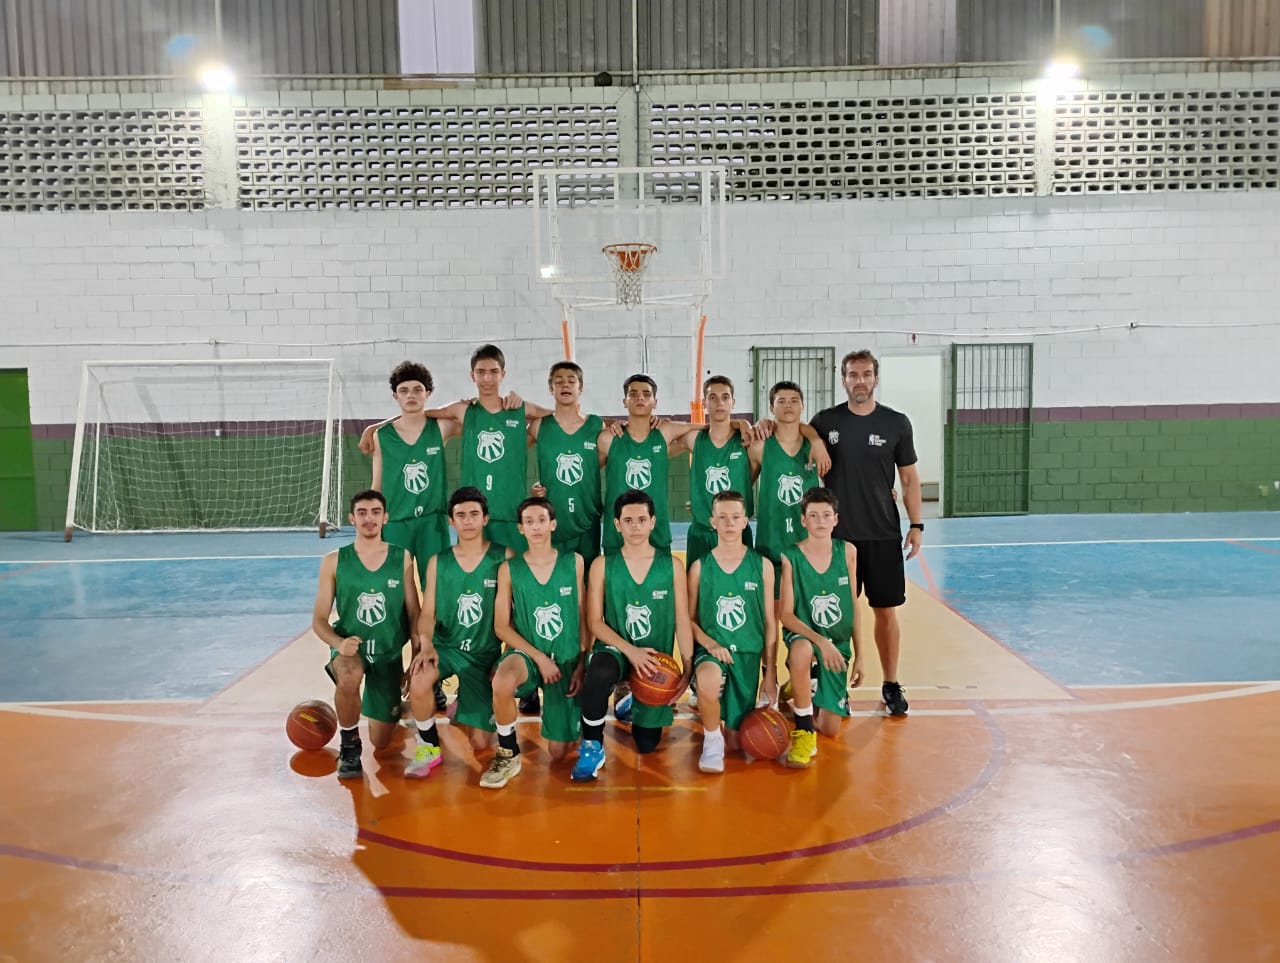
(416, 479)
(718, 479)
(569, 468)
(825, 610)
(790, 489)
(875, 441)
(639, 473)
(470, 609)
(490, 446)
(731, 612)
(639, 623)
(833, 437)
(371, 608)
(548, 622)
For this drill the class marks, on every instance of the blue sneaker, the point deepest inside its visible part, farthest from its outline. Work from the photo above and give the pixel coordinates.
(590, 761)
(622, 708)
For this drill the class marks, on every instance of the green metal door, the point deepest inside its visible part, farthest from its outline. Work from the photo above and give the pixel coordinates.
(813, 369)
(17, 466)
(988, 436)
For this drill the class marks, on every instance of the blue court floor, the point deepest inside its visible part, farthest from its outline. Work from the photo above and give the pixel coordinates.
(1087, 600)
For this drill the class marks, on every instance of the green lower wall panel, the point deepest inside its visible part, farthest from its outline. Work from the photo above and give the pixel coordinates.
(1191, 465)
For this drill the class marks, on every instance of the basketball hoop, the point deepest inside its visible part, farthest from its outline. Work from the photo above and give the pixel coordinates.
(627, 262)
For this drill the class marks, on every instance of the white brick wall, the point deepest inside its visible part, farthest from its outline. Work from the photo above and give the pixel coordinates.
(1072, 273)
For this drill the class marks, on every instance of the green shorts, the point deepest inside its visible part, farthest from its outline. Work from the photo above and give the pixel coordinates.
(507, 534)
(586, 544)
(421, 537)
(702, 539)
(741, 683)
(561, 717)
(383, 685)
(833, 686)
(651, 717)
(475, 685)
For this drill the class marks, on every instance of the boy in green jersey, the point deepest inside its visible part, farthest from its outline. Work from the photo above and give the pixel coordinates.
(495, 440)
(569, 459)
(371, 584)
(719, 462)
(787, 464)
(637, 606)
(538, 614)
(409, 470)
(732, 612)
(818, 617)
(456, 632)
(637, 456)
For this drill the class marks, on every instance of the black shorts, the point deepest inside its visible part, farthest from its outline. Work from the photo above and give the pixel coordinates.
(882, 573)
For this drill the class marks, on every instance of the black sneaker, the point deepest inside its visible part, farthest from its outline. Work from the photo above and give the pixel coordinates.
(349, 761)
(894, 699)
(531, 705)
(441, 700)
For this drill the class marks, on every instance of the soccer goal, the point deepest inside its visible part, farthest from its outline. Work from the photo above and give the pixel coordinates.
(185, 446)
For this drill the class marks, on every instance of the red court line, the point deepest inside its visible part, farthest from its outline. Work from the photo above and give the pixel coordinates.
(1256, 548)
(930, 584)
(995, 762)
(24, 569)
(932, 588)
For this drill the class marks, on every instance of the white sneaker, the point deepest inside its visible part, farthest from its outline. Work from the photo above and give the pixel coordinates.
(712, 752)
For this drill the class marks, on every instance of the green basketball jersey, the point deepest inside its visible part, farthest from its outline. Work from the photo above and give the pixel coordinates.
(783, 481)
(731, 605)
(494, 457)
(547, 615)
(464, 603)
(569, 468)
(642, 465)
(714, 470)
(823, 602)
(371, 604)
(413, 475)
(643, 613)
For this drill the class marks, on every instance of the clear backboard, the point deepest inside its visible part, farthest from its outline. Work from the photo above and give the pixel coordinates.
(629, 237)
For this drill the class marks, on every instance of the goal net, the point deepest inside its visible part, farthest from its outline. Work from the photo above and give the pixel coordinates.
(180, 446)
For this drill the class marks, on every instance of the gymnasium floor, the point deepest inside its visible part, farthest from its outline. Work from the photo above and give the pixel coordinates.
(1089, 772)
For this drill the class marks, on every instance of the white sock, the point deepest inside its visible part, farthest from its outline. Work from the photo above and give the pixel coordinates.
(507, 729)
(806, 711)
(713, 735)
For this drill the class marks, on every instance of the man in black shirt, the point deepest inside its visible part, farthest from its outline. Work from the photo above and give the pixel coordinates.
(867, 441)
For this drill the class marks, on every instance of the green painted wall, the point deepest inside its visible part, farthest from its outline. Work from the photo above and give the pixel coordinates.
(1196, 465)
(53, 469)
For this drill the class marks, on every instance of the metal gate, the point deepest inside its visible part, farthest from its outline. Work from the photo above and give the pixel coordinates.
(813, 369)
(988, 436)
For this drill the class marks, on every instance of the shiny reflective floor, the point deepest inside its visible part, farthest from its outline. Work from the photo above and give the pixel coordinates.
(1089, 772)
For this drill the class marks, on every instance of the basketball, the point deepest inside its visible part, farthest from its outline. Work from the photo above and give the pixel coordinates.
(765, 733)
(311, 724)
(661, 687)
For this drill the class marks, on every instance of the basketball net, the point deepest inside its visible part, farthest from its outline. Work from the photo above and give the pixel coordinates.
(627, 263)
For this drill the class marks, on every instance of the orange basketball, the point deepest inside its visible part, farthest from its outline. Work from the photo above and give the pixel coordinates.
(765, 733)
(311, 724)
(661, 687)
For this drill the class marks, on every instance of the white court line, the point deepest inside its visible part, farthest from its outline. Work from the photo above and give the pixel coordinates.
(257, 721)
(1112, 541)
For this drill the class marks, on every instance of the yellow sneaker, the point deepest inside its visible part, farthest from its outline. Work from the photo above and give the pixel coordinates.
(804, 746)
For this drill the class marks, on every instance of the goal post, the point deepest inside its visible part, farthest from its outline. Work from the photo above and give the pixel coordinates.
(207, 446)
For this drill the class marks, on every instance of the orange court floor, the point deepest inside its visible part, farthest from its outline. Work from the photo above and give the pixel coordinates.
(1016, 814)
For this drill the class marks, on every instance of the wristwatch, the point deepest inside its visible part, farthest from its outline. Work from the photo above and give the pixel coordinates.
(917, 525)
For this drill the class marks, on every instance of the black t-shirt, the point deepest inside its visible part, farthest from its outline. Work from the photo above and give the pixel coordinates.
(865, 450)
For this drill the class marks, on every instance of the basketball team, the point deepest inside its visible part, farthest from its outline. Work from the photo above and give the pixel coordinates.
(559, 596)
